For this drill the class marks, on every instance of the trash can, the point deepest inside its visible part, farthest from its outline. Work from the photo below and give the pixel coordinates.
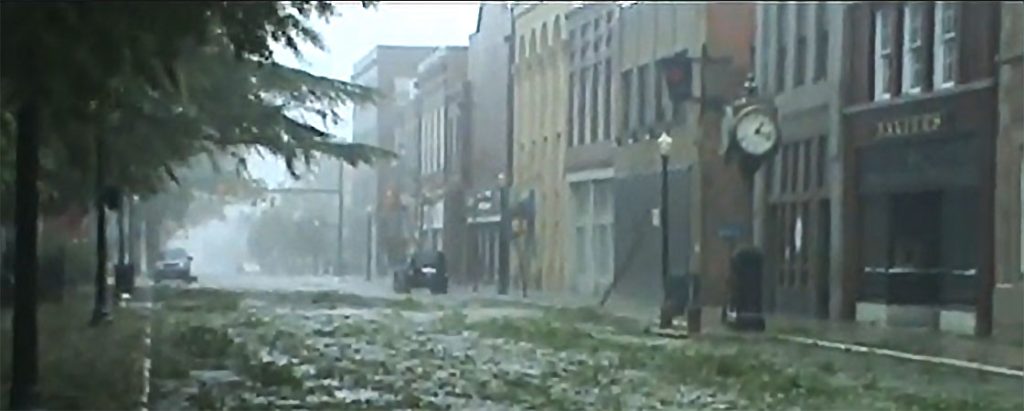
(124, 278)
(745, 291)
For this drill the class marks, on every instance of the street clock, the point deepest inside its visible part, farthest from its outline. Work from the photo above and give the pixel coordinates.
(750, 130)
(756, 131)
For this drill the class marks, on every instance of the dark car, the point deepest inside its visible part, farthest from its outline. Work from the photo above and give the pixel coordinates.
(174, 264)
(426, 269)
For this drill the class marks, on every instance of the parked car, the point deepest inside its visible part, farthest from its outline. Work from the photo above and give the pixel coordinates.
(249, 268)
(174, 264)
(426, 269)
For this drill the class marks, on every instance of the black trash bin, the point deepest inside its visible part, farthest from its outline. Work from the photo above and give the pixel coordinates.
(747, 266)
(124, 278)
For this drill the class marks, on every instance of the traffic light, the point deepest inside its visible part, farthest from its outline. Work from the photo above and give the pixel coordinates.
(678, 72)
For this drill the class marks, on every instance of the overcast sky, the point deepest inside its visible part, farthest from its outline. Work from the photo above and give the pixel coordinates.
(353, 34)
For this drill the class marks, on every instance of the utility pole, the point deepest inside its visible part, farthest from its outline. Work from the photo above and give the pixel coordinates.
(505, 231)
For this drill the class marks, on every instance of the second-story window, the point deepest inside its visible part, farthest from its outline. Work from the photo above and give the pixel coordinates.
(641, 95)
(627, 101)
(572, 101)
(821, 42)
(800, 63)
(781, 35)
(883, 53)
(592, 106)
(913, 48)
(945, 44)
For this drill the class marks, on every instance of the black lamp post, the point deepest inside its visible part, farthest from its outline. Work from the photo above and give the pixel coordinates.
(664, 147)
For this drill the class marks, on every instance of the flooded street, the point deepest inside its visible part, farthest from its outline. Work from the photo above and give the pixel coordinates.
(323, 343)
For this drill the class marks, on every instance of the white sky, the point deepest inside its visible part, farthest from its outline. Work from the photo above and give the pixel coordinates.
(353, 34)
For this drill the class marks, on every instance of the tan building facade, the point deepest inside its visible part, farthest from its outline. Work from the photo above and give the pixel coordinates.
(540, 82)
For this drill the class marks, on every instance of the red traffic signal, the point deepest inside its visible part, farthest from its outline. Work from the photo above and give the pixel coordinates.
(678, 72)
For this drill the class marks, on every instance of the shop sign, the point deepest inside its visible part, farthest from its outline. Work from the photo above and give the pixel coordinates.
(911, 125)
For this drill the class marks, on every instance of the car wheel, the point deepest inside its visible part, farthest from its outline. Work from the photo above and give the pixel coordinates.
(439, 286)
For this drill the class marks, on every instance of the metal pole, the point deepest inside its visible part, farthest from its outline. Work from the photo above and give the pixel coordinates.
(666, 318)
(505, 235)
(99, 312)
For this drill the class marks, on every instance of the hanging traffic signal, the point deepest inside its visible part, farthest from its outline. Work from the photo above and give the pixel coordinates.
(678, 72)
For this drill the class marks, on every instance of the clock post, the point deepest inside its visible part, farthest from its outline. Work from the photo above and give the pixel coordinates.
(750, 137)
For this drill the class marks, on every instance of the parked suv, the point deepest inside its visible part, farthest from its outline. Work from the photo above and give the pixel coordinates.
(174, 264)
(426, 269)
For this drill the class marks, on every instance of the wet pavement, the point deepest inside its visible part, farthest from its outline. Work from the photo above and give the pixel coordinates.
(325, 343)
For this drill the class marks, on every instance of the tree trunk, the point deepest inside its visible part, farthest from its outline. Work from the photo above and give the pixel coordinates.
(25, 344)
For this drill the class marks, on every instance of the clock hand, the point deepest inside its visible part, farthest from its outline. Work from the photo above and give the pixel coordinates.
(758, 129)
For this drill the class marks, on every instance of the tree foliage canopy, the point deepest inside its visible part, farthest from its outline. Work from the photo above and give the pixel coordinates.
(161, 83)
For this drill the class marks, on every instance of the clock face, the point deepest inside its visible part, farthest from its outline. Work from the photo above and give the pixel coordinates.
(756, 133)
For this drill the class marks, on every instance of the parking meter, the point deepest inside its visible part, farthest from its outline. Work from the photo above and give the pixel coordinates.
(745, 308)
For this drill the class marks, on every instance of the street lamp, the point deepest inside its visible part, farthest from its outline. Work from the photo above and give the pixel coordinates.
(664, 147)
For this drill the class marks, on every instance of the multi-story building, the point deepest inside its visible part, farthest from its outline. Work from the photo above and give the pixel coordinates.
(707, 197)
(390, 70)
(540, 81)
(1008, 298)
(590, 148)
(407, 166)
(444, 112)
(919, 163)
(798, 65)
(488, 149)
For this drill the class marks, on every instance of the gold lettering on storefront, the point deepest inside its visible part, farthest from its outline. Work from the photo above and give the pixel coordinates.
(919, 124)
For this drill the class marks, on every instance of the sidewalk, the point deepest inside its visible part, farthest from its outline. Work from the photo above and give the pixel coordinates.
(914, 341)
(83, 367)
(911, 341)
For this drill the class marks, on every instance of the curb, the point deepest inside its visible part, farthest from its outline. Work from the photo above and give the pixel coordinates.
(1006, 372)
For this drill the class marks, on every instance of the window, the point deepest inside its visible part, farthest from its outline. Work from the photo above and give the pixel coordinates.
(807, 158)
(595, 85)
(783, 168)
(913, 48)
(883, 53)
(822, 160)
(606, 115)
(627, 100)
(821, 42)
(641, 95)
(945, 55)
(659, 87)
(781, 35)
(572, 101)
(800, 63)
(581, 107)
